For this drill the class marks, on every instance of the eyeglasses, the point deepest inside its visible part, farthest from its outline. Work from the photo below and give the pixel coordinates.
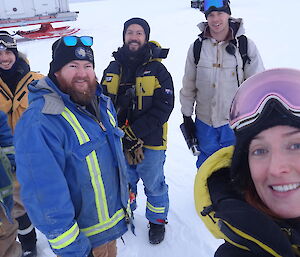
(8, 41)
(282, 85)
(73, 40)
(207, 4)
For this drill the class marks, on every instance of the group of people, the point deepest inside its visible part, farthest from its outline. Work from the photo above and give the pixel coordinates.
(78, 146)
(82, 146)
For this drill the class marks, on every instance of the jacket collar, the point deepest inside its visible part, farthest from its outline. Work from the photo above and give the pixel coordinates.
(55, 100)
(236, 26)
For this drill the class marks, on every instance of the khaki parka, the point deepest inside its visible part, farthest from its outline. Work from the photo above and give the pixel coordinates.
(212, 83)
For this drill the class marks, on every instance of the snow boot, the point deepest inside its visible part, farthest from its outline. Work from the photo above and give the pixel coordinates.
(156, 233)
(27, 236)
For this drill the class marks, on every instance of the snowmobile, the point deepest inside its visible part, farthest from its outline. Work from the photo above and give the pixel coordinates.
(195, 4)
(18, 13)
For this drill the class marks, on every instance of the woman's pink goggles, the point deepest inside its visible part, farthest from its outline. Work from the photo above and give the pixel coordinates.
(281, 84)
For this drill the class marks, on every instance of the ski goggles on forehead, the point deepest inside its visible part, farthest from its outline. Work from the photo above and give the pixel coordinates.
(73, 40)
(282, 85)
(8, 41)
(207, 4)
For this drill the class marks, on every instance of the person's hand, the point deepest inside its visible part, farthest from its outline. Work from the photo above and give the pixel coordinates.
(130, 141)
(139, 155)
(129, 157)
(133, 150)
(133, 146)
(189, 126)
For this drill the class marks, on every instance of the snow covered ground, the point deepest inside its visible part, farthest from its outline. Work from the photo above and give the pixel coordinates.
(273, 25)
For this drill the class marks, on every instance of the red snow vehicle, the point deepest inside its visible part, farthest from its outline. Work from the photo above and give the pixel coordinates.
(18, 13)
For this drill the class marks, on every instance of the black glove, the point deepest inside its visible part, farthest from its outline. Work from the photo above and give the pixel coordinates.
(133, 150)
(189, 126)
(130, 141)
(131, 144)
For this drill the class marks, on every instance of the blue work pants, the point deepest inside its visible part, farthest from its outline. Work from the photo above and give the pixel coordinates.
(212, 139)
(151, 171)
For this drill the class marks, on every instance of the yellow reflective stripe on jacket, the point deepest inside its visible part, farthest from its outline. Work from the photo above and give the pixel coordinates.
(111, 118)
(100, 227)
(9, 150)
(155, 209)
(93, 167)
(66, 238)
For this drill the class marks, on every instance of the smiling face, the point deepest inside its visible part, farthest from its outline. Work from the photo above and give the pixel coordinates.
(77, 79)
(135, 37)
(218, 24)
(7, 59)
(274, 161)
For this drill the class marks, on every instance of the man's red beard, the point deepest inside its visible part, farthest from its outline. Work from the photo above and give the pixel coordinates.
(79, 97)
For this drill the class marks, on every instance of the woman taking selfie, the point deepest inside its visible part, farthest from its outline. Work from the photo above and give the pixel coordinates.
(250, 195)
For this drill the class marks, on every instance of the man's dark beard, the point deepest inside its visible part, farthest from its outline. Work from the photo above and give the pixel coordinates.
(133, 58)
(135, 54)
(133, 41)
(78, 97)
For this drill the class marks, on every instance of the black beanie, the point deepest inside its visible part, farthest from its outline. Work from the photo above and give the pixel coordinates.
(6, 37)
(274, 114)
(225, 9)
(62, 54)
(144, 24)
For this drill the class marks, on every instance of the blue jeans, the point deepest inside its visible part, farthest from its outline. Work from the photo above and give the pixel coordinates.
(151, 171)
(212, 139)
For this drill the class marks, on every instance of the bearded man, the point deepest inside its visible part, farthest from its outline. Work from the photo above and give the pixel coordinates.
(143, 94)
(70, 162)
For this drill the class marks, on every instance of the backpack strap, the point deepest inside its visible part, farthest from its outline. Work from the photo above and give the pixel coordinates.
(243, 49)
(242, 46)
(197, 50)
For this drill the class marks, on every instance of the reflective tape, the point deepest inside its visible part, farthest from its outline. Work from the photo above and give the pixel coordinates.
(100, 227)
(25, 231)
(105, 222)
(93, 167)
(155, 209)
(111, 118)
(9, 150)
(66, 238)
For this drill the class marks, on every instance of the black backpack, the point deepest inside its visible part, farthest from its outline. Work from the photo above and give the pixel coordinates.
(243, 49)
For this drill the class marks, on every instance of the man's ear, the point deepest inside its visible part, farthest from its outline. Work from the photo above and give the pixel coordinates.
(55, 74)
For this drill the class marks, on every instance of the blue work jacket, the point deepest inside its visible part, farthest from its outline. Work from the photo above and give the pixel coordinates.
(72, 170)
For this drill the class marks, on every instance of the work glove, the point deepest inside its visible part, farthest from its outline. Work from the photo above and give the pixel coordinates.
(189, 126)
(139, 155)
(133, 151)
(133, 146)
